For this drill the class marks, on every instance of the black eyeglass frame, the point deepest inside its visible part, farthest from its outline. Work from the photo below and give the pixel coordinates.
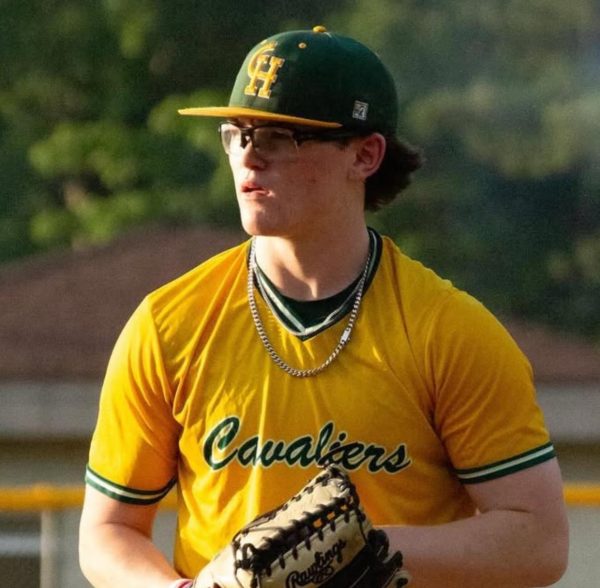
(299, 137)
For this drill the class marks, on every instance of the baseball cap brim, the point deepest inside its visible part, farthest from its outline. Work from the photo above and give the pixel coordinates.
(241, 112)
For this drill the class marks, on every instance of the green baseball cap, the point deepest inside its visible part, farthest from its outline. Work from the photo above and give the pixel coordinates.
(314, 78)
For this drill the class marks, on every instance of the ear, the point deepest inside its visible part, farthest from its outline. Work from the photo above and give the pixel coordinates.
(369, 153)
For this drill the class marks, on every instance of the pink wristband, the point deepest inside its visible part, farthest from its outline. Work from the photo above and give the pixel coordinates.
(181, 583)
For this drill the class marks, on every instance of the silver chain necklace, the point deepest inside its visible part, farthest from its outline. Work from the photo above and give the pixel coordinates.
(260, 329)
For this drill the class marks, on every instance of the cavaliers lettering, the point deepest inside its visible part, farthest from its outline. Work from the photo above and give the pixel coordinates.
(222, 446)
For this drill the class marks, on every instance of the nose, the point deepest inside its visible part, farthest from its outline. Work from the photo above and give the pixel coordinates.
(250, 158)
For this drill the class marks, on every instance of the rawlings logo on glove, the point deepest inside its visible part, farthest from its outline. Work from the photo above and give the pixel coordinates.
(320, 570)
(321, 537)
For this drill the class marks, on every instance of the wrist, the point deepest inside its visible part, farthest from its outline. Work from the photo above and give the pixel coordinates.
(181, 583)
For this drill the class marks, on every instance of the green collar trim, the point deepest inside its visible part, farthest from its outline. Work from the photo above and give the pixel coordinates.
(305, 319)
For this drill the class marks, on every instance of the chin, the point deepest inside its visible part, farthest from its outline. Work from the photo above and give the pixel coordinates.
(257, 231)
(260, 226)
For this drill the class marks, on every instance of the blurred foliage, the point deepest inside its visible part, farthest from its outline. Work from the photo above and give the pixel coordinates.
(502, 95)
(504, 98)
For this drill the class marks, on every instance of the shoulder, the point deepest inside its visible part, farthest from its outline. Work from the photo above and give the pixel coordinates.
(181, 304)
(203, 282)
(417, 291)
(411, 275)
(435, 311)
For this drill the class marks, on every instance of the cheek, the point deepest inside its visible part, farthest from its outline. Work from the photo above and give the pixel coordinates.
(315, 175)
(320, 181)
(237, 172)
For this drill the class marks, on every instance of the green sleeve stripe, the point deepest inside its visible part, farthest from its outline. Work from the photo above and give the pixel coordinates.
(123, 493)
(506, 466)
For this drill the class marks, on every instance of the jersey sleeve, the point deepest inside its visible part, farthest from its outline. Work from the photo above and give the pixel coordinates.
(486, 411)
(133, 453)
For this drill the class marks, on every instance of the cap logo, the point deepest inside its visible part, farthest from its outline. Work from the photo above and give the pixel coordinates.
(360, 110)
(262, 71)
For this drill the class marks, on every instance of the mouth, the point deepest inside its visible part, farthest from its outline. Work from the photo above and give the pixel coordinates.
(251, 187)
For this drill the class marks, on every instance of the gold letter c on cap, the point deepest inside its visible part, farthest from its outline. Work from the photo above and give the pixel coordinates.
(258, 72)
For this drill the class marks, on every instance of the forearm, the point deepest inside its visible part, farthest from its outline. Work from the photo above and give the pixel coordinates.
(498, 549)
(115, 555)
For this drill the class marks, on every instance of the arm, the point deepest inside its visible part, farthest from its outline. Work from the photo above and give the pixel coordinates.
(115, 545)
(519, 539)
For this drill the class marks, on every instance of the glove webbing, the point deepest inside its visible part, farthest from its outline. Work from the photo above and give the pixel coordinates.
(260, 560)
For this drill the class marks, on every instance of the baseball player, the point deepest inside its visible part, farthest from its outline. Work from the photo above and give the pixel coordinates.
(319, 341)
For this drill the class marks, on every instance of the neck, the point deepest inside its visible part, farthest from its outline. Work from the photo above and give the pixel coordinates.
(316, 268)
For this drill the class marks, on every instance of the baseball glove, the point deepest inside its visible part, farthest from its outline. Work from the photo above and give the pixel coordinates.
(321, 537)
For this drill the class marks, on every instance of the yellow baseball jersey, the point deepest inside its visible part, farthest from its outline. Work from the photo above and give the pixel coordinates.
(431, 394)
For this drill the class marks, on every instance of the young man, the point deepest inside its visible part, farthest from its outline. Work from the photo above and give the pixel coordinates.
(318, 340)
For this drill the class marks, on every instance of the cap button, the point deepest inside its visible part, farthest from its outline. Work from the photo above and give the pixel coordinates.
(319, 29)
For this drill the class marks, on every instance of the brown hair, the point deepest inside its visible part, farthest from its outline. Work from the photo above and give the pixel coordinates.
(393, 175)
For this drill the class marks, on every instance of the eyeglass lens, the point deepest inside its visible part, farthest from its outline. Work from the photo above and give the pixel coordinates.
(268, 141)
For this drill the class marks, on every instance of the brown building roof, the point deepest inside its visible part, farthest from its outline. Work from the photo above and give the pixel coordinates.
(60, 314)
(556, 357)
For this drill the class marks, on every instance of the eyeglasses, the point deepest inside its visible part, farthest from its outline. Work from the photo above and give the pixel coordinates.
(273, 143)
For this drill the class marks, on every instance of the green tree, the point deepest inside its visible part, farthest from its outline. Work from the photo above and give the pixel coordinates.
(86, 136)
(504, 98)
(502, 95)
